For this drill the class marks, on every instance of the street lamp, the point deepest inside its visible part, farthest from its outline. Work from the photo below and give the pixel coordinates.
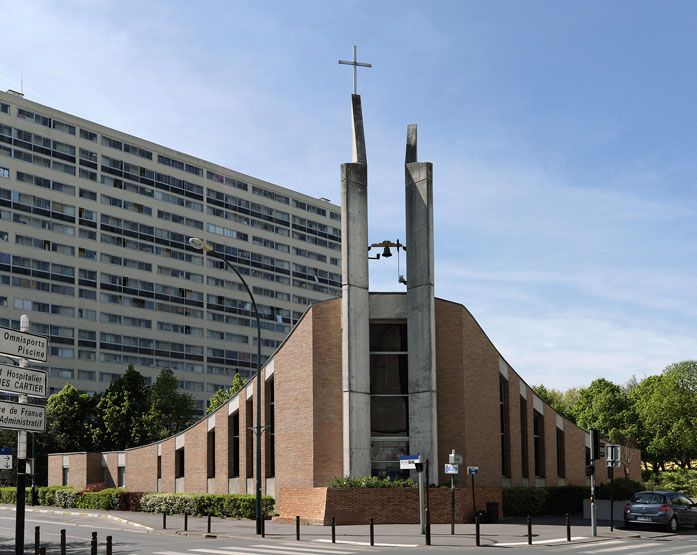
(200, 244)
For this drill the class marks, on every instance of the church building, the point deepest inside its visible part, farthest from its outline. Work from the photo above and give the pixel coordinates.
(360, 381)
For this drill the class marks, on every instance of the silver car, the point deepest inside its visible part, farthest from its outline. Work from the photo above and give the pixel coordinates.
(669, 509)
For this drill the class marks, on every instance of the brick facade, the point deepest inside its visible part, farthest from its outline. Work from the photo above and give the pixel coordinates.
(307, 380)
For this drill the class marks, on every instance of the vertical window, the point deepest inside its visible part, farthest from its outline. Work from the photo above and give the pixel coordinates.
(389, 398)
(525, 469)
(538, 436)
(211, 453)
(270, 433)
(234, 452)
(505, 427)
(179, 463)
(561, 462)
(249, 440)
(66, 475)
(159, 467)
(121, 479)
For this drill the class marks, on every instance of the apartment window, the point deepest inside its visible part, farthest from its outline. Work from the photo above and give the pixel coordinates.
(4, 172)
(525, 467)
(538, 438)
(234, 452)
(505, 428)
(561, 460)
(86, 375)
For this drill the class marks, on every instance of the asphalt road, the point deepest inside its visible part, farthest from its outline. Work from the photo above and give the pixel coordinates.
(129, 540)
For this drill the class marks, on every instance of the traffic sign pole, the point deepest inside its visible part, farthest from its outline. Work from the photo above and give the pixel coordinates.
(21, 458)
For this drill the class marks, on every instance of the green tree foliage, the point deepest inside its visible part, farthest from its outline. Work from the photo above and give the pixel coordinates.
(69, 420)
(171, 410)
(561, 401)
(120, 414)
(222, 395)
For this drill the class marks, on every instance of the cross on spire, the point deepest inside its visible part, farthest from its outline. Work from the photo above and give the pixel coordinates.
(355, 63)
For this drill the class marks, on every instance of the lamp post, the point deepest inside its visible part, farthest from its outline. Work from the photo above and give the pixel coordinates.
(200, 244)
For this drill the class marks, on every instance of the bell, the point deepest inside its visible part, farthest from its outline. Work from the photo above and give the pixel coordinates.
(386, 253)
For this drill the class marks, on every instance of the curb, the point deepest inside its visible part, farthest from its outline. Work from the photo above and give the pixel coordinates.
(88, 515)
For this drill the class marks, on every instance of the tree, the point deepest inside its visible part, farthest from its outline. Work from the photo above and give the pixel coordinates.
(562, 402)
(171, 410)
(69, 420)
(120, 414)
(223, 394)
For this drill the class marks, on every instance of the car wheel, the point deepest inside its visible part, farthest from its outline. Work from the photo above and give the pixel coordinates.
(629, 526)
(673, 525)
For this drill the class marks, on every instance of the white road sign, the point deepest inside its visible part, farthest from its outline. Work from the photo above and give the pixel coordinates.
(454, 458)
(612, 455)
(452, 469)
(5, 462)
(14, 379)
(408, 462)
(17, 416)
(18, 344)
(472, 470)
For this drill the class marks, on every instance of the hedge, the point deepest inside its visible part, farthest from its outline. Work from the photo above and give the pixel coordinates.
(622, 488)
(201, 504)
(369, 482)
(198, 504)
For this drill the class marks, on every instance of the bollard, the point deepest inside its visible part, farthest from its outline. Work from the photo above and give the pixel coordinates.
(333, 529)
(37, 539)
(209, 523)
(63, 541)
(529, 530)
(42, 551)
(164, 521)
(297, 528)
(428, 527)
(108, 545)
(372, 532)
(263, 526)
(476, 528)
(186, 522)
(568, 528)
(94, 543)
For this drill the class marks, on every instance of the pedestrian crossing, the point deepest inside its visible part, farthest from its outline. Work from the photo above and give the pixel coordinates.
(628, 546)
(274, 549)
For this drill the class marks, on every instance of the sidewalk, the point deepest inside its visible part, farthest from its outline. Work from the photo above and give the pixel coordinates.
(510, 532)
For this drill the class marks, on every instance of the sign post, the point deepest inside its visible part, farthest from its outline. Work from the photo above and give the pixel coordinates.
(452, 468)
(413, 462)
(20, 416)
(473, 471)
(612, 459)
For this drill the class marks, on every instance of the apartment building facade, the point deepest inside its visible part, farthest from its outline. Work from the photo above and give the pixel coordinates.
(94, 229)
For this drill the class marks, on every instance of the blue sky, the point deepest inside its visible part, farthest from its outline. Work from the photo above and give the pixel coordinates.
(562, 134)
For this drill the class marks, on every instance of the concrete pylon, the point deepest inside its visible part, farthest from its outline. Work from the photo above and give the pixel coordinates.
(421, 326)
(355, 318)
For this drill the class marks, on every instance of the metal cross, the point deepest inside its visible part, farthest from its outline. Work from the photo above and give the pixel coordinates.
(355, 63)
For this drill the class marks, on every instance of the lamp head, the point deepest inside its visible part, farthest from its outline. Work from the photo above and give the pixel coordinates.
(200, 244)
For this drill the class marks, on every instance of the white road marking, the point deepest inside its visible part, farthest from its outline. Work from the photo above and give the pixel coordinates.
(635, 546)
(368, 543)
(539, 542)
(303, 549)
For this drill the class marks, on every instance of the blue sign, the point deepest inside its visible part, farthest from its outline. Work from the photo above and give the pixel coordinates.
(5, 450)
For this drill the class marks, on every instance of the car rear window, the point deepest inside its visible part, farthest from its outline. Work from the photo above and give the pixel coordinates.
(647, 498)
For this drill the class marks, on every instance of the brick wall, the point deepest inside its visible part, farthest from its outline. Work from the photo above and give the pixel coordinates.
(196, 457)
(385, 506)
(141, 468)
(55, 469)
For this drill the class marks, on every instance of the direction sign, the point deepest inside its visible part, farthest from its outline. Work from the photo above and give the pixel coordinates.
(5, 450)
(14, 379)
(19, 344)
(451, 469)
(454, 458)
(5, 462)
(472, 470)
(612, 455)
(408, 462)
(19, 416)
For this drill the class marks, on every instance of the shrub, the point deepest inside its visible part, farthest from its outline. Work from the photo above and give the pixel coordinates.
(130, 500)
(523, 501)
(47, 494)
(369, 482)
(622, 488)
(66, 497)
(105, 500)
(98, 486)
(222, 505)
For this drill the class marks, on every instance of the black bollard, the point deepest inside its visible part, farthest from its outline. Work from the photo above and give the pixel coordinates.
(297, 528)
(186, 522)
(94, 543)
(63, 541)
(42, 551)
(428, 527)
(333, 529)
(108, 545)
(209, 523)
(568, 528)
(476, 528)
(164, 521)
(37, 539)
(372, 532)
(529, 530)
